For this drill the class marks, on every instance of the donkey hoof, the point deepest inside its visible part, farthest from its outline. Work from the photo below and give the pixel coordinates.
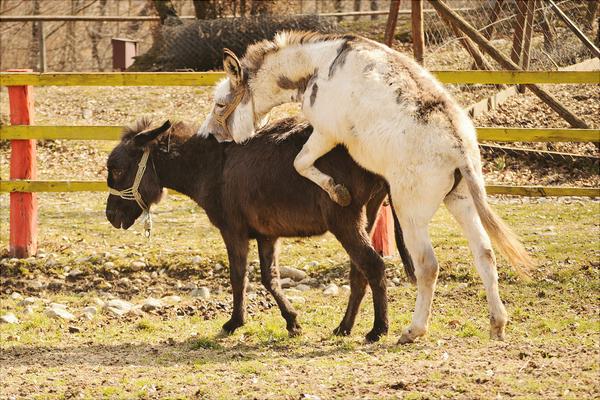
(375, 335)
(230, 326)
(410, 334)
(342, 331)
(497, 333)
(294, 330)
(341, 195)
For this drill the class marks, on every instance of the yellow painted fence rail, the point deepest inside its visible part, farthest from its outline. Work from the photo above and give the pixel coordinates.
(210, 78)
(55, 132)
(100, 186)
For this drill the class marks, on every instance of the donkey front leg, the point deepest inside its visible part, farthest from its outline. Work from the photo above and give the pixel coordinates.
(317, 146)
(237, 252)
(268, 249)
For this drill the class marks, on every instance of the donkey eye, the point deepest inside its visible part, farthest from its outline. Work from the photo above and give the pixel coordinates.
(220, 105)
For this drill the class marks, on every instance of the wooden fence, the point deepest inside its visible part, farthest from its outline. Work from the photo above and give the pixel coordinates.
(22, 183)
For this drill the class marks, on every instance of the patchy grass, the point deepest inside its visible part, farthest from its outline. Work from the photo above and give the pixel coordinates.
(551, 351)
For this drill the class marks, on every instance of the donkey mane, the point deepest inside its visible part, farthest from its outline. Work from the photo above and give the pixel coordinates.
(179, 129)
(257, 52)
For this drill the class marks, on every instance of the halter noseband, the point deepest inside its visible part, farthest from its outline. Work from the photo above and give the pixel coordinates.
(133, 194)
(223, 116)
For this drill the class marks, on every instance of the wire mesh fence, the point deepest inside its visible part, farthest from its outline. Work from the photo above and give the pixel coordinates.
(86, 45)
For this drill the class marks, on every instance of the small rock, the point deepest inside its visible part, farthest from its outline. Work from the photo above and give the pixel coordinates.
(87, 316)
(346, 288)
(292, 273)
(307, 396)
(297, 299)
(98, 301)
(138, 265)
(154, 274)
(104, 285)
(203, 292)
(75, 274)
(118, 304)
(28, 310)
(9, 318)
(287, 283)
(171, 299)
(57, 305)
(59, 313)
(312, 264)
(116, 311)
(302, 287)
(16, 296)
(396, 281)
(74, 329)
(189, 286)
(125, 282)
(196, 260)
(463, 285)
(152, 304)
(109, 265)
(331, 290)
(27, 301)
(37, 284)
(91, 310)
(218, 266)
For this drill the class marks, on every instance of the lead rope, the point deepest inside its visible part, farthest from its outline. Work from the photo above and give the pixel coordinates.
(133, 194)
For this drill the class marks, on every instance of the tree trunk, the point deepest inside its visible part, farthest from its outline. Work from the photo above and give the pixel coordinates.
(357, 8)
(95, 35)
(337, 5)
(204, 9)
(34, 47)
(166, 11)
(374, 6)
(242, 8)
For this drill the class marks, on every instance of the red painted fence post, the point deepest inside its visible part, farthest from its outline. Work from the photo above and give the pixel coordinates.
(23, 165)
(382, 235)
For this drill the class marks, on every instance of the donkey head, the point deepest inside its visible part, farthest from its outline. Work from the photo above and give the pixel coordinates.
(129, 196)
(233, 116)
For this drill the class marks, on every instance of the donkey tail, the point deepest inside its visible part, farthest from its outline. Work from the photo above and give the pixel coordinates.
(502, 236)
(409, 268)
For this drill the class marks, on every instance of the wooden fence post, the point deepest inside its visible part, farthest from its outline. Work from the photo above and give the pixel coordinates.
(23, 165)
(382, 235)
(390, 27)
(418, 37)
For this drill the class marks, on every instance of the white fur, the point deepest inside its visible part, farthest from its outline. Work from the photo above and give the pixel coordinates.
(358, 107)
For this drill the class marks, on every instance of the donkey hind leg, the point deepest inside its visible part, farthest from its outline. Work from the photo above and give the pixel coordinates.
(415, 209)
(268, 249)
(461, 206)
(358, 281)
(358, 287)
(237, 252)
(363, 255)
(317, 146)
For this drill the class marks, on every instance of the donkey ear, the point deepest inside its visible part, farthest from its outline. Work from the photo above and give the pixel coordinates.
(232, 67)
(144, 137)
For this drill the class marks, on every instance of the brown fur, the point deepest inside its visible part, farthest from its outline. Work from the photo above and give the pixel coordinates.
(253, 192)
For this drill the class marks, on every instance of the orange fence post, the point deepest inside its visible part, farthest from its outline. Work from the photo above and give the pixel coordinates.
(23, 165)
(382, 236)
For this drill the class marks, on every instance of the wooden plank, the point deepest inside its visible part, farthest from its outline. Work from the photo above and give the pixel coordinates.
(507, 63)
(584, 39)
(112, 79)
(542, 191)
(418, 35)
(518, 77)
(100, 186)
(538, 135)
(390, 27)
(11, 132)
(211, 78)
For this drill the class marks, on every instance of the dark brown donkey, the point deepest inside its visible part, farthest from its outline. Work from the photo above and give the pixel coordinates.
(254, 192)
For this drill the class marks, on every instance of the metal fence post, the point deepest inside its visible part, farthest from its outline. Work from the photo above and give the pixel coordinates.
(23, 165)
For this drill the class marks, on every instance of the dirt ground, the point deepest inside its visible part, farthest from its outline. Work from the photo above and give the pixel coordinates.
(552, 349)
